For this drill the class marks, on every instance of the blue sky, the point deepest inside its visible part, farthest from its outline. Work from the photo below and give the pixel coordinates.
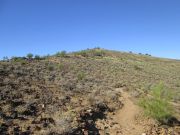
(47, 26)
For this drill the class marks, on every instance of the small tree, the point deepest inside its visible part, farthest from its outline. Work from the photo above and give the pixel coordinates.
(29, 55)
(37, 57)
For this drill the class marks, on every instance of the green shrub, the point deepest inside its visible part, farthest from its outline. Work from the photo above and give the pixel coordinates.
(136, 67)
(23, 62)
(50, 67)
(98, 52)
(148, 54)
(90, 53)
(61, 54)
(81, 76)
(60, 66)
(83, 53)
(29, 55)
(17, 59)
(37, 57)
(157, 105)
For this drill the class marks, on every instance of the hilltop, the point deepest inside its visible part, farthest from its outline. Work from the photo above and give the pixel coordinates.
(81, 92)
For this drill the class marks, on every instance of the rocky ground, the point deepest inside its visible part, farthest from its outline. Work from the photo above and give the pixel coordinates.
(81, 93)
(129, 120)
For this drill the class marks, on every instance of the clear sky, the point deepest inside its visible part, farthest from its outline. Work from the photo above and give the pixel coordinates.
(47, 26)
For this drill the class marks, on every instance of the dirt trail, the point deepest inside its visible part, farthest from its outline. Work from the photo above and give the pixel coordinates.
(127, 116)
(128, 120)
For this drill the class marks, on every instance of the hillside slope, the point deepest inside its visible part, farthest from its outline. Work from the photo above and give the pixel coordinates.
(69, 93)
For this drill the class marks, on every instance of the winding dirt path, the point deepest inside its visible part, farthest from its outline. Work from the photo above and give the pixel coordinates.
(128, 120)
(127, 116)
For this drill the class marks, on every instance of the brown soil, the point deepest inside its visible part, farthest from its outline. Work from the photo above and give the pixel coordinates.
(76, 94)
(127, 117)
(128, 120)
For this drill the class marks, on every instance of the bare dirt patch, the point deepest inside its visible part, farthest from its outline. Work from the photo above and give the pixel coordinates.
(126, 121)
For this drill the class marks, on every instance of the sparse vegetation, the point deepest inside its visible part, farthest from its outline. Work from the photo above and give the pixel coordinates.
(81, 53)
(18, 59)
(91, 53)
(37, 93)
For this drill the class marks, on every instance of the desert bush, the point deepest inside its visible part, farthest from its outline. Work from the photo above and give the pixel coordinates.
(18, 59)
(50, 67)
(60, 66)
(81, 76)
(137, 67)
(37, 57)
(65, 122)
(157, 105)
(109, 98)
(90, 53)
(148, 54)
(29, 55)
(118, 85)
(83, 53)
(98, 52)
(61, 54)
(95, 97)
(23, 62)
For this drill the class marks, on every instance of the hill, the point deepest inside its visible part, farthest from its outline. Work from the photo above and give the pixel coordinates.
(77, 93)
